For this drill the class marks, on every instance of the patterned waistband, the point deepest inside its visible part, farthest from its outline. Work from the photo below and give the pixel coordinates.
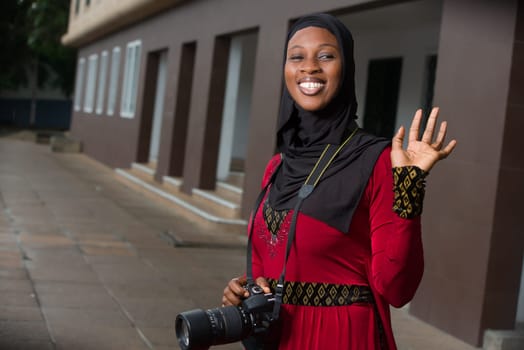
(323, 294)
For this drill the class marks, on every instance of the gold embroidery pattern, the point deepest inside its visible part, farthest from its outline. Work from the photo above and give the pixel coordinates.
(409, 188)
(275, 230)
(323, 294)
(273, 218)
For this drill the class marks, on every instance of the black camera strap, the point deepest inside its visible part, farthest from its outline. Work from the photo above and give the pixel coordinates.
(323, 162)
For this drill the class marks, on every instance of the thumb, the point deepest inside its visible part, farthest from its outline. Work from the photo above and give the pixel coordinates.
(398, 139)
(262, 282)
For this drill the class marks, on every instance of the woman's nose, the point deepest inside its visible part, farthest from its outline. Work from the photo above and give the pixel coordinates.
(310, 66)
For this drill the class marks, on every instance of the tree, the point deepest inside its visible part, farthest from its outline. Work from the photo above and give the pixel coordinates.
(31, 53)
(48, 22)
(15, 53)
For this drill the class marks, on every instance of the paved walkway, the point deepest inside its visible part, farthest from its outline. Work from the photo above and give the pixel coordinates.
(85, 262)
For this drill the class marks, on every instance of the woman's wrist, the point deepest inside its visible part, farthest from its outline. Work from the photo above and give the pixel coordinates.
(409, 188)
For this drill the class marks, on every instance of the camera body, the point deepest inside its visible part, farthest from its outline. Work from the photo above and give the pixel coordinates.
(198, 329)
(259, 307)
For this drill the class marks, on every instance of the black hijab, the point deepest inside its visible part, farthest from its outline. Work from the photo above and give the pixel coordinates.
(303, 135)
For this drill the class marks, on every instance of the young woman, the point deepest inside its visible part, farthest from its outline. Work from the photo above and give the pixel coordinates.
(357, 241)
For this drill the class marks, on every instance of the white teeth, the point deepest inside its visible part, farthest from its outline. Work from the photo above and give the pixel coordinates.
(311, 85)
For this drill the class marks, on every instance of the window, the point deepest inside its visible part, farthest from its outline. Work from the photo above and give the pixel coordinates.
(383, 86)
(131, 74)
(429, 85)
(113, 81)
(88, 2)
(79, 82)
(91, 80)
(102, 77)
(77, 7)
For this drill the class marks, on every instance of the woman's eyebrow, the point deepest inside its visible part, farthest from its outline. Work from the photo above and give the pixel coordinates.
(321, 45)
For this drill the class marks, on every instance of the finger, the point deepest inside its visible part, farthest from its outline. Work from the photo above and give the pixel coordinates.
(441, 136)
(398, 139)
(230, 299)
(242, 280)
(262, 282)
(236, 287)
(415, 126)
(225, 301)
(448, 149)
(430, 126)
(232, 294)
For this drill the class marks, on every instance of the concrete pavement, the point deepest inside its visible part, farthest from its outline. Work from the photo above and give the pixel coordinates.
(88, 263)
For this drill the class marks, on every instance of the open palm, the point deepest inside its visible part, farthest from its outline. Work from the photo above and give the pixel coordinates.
(423, 153)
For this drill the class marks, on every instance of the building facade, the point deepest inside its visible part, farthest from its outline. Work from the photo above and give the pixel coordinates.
(191, 90)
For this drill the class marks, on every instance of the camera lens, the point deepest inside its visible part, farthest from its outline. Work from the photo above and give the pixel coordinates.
(193, 329)
(198, 329)
(184, 333)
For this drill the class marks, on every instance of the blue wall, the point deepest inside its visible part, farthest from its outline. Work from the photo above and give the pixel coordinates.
(50, 114)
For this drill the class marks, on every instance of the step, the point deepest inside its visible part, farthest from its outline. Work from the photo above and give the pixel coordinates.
(172, 183)
(198, 208)
(226, 202)
(229, 207)
(226, 189)
(235, 178)
(146, 169)
(503, 339)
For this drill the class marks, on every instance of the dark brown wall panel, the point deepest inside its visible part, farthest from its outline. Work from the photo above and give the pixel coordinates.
(181, 117)
(148, 107)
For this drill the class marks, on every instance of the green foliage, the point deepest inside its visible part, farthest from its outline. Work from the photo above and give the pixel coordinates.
(15, 54)
(34, 30)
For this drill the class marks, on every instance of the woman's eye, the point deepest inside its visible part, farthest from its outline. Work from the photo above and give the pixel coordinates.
(326, 56)
(295, 57)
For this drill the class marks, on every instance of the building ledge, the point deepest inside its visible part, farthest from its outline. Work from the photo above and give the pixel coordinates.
(103, 18)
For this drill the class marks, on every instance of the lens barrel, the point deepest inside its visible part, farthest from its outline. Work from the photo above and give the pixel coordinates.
(198, 329)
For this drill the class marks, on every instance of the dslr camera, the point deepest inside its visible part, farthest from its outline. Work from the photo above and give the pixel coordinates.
(198, 329)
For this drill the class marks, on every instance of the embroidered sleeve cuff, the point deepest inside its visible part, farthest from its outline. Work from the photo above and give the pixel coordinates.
(409, 188)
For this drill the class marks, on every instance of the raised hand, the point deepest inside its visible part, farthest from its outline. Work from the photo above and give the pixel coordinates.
(423, 153)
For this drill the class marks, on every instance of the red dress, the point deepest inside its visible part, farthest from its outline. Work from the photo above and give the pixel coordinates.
(381, 250)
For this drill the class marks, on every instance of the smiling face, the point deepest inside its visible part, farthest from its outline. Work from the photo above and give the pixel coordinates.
(313, 68)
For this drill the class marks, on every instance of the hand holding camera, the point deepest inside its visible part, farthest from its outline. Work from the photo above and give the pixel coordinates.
(235, 291)
(249, 312)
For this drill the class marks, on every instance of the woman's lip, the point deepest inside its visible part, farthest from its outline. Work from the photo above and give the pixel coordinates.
(311, 87)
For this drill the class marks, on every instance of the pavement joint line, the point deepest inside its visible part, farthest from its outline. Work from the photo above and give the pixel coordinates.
(25, 259)
(128, 316)
(178, 242)
(130, 319)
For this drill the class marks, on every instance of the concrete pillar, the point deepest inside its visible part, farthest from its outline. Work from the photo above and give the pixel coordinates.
(472, 228)
(176, 110)
(267, 87)
(205, 118)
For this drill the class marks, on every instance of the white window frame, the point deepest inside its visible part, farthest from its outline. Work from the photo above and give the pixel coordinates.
(131, 77)
(92, 67)
(113, 80)
(79, 83)
(102, 78)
